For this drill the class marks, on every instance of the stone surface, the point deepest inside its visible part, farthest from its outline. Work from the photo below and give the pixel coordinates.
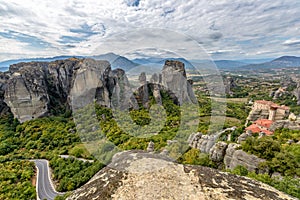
(26, 92)
(174, 79)
(235, 157)
(293, 125)
(34, 89)
(150, 147)
(297, 93)
(244, 136)
(229, 85)
(143, 176)
(3, 80)
(217, 152)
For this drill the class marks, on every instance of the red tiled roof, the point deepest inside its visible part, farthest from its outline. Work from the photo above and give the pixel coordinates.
(254, 128)
(267, 132)
(264, 123)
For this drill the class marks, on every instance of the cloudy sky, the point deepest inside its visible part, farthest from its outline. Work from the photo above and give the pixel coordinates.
(224, 29)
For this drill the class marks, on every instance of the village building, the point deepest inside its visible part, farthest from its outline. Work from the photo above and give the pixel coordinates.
(261, 126)
(264, 114)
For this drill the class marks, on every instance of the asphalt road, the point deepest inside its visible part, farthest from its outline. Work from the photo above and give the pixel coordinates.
(44, 186)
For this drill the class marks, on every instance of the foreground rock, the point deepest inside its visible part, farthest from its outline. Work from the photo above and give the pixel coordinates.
(143, 176)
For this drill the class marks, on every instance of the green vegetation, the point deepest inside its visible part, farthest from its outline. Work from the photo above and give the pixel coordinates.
(127, 141)
(195, 157)
(281, 157)
(71, 173)
(287, 184)
(100, 130)
(16, 180)
(40, 138)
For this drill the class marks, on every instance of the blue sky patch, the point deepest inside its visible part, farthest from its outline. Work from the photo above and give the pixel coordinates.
(32, 41)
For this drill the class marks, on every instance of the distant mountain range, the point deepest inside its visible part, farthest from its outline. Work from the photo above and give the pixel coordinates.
(116, 61)
(154, 64)
(282, 62)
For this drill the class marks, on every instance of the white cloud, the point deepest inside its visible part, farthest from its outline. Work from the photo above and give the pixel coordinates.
(226, 29)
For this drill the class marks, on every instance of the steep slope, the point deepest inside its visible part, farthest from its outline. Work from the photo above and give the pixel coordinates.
(36, 89)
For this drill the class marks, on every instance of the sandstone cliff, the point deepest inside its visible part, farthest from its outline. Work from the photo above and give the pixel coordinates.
(138, 175)
(35, 89)
(297, 93)
(221, 153)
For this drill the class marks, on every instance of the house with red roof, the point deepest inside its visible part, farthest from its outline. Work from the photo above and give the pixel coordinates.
(261, 125)
(263, 114)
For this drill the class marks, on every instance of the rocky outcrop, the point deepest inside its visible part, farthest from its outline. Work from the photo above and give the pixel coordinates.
(278, 93)
(3, 80)
(174, 79)
(229, 85)
(235, 157)
(206, 142)
(297, 93)
(217, 152)
(90, 83)
(244, 136)
(143, 176)
(26, 92)
(288, 124)
(35, 89)
(202, 142)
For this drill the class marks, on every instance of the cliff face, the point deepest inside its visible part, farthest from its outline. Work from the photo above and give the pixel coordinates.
(221, 153)
(139, 175)
(297, 93)
(35, 89)
(174, 79)
(32, 90)
(26, 92)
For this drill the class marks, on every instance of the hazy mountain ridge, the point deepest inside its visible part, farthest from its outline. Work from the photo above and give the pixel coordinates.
(281, 62)
(155, 63)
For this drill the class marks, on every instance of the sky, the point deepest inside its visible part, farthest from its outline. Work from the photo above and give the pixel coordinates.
(222, 29)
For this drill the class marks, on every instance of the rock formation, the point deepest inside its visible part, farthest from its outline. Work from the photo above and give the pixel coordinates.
(244, 136)
(202, 142)
(34, 89)
(3, 80)
(220, 152)
(293, 125)
(235, 157)
(174, 79)
(297, 93)
(26, 92)
(229, 85)
(143, 176)
(217, 152)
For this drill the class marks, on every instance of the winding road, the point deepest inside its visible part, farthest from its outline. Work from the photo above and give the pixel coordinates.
(44, 185)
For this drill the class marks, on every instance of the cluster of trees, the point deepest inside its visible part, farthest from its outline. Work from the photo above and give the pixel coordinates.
(126, 141)
(16, 180)
(71, 173)
(47, 138)
(281, 156)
